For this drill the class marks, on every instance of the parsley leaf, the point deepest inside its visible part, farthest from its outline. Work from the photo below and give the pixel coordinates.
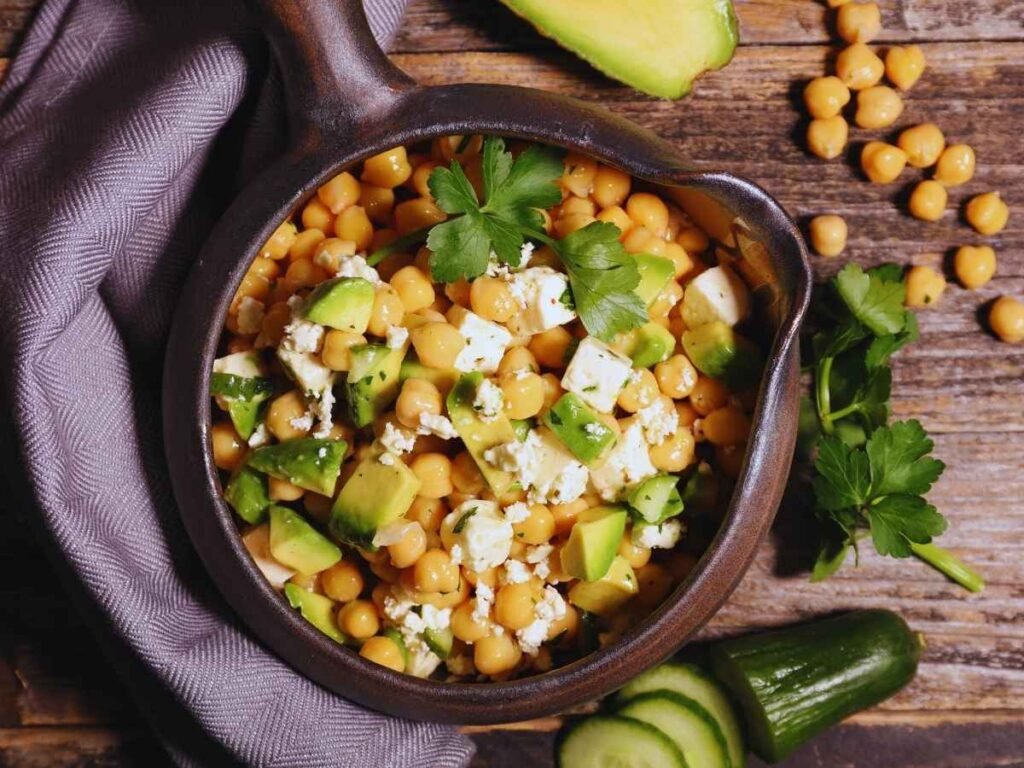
(875, 302)
(884, 347)
(459, 248)
(899, 460)
(900, 520)
(843, 475)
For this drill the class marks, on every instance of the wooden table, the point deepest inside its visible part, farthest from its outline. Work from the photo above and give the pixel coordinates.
(61, 706)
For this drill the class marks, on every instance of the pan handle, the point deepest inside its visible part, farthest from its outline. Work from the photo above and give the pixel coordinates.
(335, 75)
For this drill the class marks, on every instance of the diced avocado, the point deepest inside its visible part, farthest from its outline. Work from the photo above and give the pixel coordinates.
(522, 427)
(716, 350)
(658, 46)
(344, 303)
(715, 295)
(655, 272)
(242, 396)
(297, 544)
(442, 378)
(439, 641)
(579, 428)
(477, 434)
(257, 542)
(656, 499)
(396, 637)
(374, 496)
(246, 492)
(373, 380)
(593, 543)
(245, 416)
(608, 593)
(316, 609)
(308, 462)
(652, 344)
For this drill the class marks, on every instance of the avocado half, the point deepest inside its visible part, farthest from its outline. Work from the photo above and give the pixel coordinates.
(657, 46)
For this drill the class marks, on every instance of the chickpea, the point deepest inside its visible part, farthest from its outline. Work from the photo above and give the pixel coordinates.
(513, 605)
(648, 211)
(726, 426)
(491, 298)
(388, 169)
(466, 627)
(316, 215)
(407, 550)
(826, 137)
(359, 619)
(518, 359)
(274, 320)
(378, 202)
(495, 654)
(337, 350)
(456, 147)
(435, 572)
(708, 395)
(566, 514)
(955, 165)
(676, 453)
(859, 67)
(924, 286)
(384, 651)
(616, 215)
(641, 390)
(578, 205)
(280, 241)
(694, 240)
(353, 224)
(428, 513)
(974, 265)
(329, 252)
(837, 3)
(414, 288)
(551, 347)
(904, 65)
(676, 376)
(828, 234)
(578, 176)
(418, 213)
(687, 414)
(928, 201)
(466, 475)
(878, 107)
(882, 163)
(282, 490)
(342, 581)
(923, 144)
(459, 292)
(642, 240)
(282, 412)
(611, 186)
(387, 311)
(303, 273)
(859, 22)
(228, 448)
(636, 556)
(987, 213)
(825, 97)
(435, 473)
(421, 178)
(566, 225)
(681, 262)
(305, 244)
(437, 344)
(654, 583)
(418, 396)
(538, 528)
(552, 390)
(1006, 319)
(523, 393)
(339, 192)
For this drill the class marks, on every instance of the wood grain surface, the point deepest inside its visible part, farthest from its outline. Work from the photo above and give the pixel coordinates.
(61, 706)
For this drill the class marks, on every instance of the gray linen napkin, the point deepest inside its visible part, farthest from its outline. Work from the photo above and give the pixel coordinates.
(125, 128)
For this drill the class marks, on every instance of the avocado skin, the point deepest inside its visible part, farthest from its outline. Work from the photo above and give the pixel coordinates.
(307, 462)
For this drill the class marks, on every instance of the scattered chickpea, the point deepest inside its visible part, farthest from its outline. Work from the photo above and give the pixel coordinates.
(825, 97)
(826, 137)
(904, 65)
(974, 265)
(859, 67)
(928, 201)
(955, 165)
(923, 144)
(882, 163)
(878, 107)
(828, 234)
(987, 213)
(1006, 318)
(384, 651)
(859, 22)
(924, 287)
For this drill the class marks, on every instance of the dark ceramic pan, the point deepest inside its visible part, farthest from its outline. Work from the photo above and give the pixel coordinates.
(346, 101)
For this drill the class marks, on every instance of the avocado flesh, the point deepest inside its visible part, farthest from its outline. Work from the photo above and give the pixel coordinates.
(651, 344)
(657, 46)
(480, 435)
(442, 378)
(246, 492)
(298, 545)
(316, 609)
(593, 543)
(307, 462)
(608, 593)
(344, 303)
(716, 350)
(374, 496)
(577, 426)
(373, 380)
(655, 272)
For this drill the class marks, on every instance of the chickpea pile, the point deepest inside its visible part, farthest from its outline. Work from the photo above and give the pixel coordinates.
(420, 575)
(859, 72)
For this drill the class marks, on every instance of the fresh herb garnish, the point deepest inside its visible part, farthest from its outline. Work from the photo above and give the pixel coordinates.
(871, 477)
(462, 521)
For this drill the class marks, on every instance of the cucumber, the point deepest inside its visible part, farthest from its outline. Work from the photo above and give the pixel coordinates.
(686, 722)
(693, 682)
(796, 682)
(605, 741)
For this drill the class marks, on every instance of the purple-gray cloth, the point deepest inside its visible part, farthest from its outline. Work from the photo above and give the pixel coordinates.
(125, 129)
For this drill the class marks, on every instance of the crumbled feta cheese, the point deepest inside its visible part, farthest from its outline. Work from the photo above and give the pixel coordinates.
(539, 292)
(248, 365)
(260, 436)
(309, 372)
(395, 531)
(593, 428)
(525, 254)
(436, 618)
(550, 609)
(303, 423)
(628, 464)
(596, 374)
(662, 536)
(411, 620)
(542, 466)
(660, 420)
(397, 336)
(542, 570)
(356, 266)
(483, 602)
(323, 409)
(455, 554)
(482, 531)
(397, 440)
(433, 424)
(485, 342)
(489, 400)
(517, 458)
(422, 662)
(515, 572)
(539, 553)
(517, 513)
(301, 335)
(250, 316)
(387, 459)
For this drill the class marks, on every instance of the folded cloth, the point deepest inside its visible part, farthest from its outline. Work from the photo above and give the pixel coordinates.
(126, 126)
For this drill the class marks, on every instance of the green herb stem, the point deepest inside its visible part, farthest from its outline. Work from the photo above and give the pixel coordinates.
(946, 562)
(824, 397)
(396, 245)
(835, 416)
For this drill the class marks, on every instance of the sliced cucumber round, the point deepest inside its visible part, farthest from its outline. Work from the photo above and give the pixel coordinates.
(606, 741)
(684, 721)
(693, 682)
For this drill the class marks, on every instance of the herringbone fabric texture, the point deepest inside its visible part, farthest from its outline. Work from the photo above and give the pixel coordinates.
(125, 128)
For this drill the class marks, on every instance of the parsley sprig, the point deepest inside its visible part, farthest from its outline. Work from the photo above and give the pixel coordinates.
(871, 476)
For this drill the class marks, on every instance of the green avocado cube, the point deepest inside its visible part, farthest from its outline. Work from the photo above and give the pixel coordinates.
(653, 344)
(656, 499)
(655, 272)
(246, 492)
(243, 396)
(607, 594)
(442, 378)
(522, 428)
(479, 435)
(373, 380)
(298, 545)
(344, 303)
(377, 493)
(579, 428)
(593, 542)
(308, 462)
(716, 350)
(316, 609)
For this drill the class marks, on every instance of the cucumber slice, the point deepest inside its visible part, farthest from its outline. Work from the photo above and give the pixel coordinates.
(605, 741)
(693, 682)
(686, 722)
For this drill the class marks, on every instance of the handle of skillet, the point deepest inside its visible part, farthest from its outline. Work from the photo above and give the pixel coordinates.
(335, 74)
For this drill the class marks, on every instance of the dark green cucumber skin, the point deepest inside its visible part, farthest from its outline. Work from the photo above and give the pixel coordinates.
(796, 682)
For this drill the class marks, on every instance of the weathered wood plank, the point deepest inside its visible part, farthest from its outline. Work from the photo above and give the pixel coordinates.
(79, 748)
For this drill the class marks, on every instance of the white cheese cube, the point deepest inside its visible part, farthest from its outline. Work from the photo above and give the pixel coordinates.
(558, 477)
(717, 294)
(629, 463)
(664, 536)
(312, 376)
(539, 292)
(485, 341)
(596, 374)
(481, 532)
